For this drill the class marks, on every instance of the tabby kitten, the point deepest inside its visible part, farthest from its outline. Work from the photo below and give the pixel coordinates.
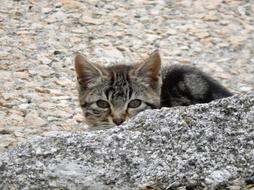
(110, 95)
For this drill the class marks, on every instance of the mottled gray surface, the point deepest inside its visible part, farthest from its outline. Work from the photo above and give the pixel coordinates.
(207, 144)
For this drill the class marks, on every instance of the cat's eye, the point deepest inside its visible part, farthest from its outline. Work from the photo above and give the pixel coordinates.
(102, 104)
(134, 103)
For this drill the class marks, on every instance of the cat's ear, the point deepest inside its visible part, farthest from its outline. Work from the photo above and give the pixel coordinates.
(149, 70)
(88, 74)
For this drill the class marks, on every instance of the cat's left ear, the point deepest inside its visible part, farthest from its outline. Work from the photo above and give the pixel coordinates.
(149, 70)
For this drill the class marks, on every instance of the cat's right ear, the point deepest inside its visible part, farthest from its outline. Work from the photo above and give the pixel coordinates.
(88, 74)
(149, 70)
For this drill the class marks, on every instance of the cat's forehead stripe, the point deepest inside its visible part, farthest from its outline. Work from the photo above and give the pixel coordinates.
(120, 86)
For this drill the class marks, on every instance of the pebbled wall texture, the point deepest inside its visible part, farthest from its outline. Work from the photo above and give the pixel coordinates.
(205, 146)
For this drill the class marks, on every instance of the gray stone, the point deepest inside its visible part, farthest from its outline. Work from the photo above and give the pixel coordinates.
(203, 145)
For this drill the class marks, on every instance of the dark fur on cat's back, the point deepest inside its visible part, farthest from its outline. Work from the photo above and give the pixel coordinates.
(110, 95)
(184, 85)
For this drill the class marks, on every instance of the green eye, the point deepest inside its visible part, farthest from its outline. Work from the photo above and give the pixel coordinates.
(134, 103)
(102, 104)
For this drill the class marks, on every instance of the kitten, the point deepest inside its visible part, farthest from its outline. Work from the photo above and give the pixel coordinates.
(110, 95)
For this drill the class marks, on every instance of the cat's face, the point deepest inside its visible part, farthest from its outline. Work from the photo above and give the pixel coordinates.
(110, 95)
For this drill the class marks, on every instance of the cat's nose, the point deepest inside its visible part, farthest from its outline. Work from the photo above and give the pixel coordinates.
(118, 121)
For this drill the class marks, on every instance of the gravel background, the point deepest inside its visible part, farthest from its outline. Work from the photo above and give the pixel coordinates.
(39, 39)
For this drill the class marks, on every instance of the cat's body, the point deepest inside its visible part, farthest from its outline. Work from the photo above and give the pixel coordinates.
(110, 95)
(184, 85)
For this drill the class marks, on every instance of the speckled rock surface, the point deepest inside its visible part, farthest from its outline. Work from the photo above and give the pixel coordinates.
(204, 146)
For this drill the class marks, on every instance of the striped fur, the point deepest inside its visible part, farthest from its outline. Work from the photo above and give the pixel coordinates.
(119, 85)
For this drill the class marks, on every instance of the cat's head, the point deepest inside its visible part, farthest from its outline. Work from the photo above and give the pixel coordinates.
(110, 95)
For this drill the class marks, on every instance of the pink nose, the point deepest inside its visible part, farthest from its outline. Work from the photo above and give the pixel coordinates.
(118, 121)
